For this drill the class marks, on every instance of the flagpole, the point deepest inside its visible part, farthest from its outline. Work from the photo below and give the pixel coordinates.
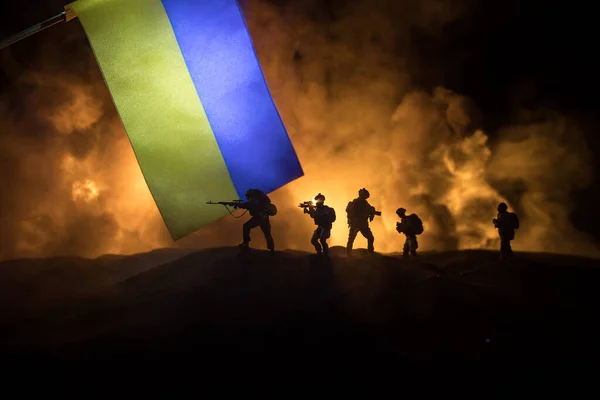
(64, 16)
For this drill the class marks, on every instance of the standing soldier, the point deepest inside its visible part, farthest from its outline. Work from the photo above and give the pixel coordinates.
(324, 217)
(260, 208)
(360, 213)
(411, 226)
(506, 223)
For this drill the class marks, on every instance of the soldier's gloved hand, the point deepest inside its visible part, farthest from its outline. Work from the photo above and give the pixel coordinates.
(371, 217)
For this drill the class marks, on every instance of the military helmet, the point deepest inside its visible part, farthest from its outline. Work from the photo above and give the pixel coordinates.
(364, 194)
(401, 211)
(502, 207)
(320, 197)
(250, 192)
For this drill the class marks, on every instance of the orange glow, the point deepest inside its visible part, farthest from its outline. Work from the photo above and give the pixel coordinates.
(86, 191)
(355, 120)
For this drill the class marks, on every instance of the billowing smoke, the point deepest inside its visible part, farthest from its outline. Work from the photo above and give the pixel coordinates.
(339, 77)
(70, 182)
(540, 164)
(340, 80)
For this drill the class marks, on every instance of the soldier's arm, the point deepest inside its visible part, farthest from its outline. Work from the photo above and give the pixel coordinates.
(371, 211)
(370, 208)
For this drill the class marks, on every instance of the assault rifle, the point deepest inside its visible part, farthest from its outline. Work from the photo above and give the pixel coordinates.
(401, 227)
(308, 207)
(235, 203)
(373, 214)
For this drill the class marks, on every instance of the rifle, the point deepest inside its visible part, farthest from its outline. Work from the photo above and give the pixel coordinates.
(401, 227)
(234, 203)
(496, 221)
(373, 214)
(308, 206)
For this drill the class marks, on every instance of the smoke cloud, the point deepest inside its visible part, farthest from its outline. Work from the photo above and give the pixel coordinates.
(339, 76)
(70, 182)
(545, 161)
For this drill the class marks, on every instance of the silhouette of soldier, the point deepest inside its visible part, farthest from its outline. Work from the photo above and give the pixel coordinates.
(506, 223)
(260, 208)
(411, 226)
(324, 217)
(360, 213)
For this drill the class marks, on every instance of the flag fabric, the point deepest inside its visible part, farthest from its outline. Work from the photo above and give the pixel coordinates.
(192, 97)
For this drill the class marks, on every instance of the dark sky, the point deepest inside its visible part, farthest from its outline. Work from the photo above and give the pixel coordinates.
(525, 54)
(487, 53)
(504, 55)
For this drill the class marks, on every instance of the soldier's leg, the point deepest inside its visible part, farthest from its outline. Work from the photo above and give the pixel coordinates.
(351, 237)
(265, 226)
(406, 248)
(325, 233)
(504, 248)
(414, 245)
(248, 225)
(366, 232)
(509, 250)
(315, 240)
(325, 246)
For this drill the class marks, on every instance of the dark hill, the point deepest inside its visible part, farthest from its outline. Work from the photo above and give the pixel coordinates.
(296, 312)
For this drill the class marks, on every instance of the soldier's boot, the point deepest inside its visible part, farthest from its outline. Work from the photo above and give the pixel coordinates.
(244, 247)
(405, 251)
(317, 246)
(349, 247)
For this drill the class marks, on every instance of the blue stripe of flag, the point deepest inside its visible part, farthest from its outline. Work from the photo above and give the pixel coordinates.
(218, 50)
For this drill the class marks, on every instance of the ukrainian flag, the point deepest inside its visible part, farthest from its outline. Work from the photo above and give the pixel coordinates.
(190, 91)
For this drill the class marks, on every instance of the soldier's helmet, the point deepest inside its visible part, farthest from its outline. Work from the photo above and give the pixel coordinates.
(320, 198)
(364, 194)
(502, 207)
(401, 212)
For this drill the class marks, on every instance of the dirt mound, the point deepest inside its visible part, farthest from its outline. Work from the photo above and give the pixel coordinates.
(218, 303)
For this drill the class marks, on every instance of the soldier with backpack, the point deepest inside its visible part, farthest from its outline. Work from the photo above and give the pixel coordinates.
(506, 223)
(411, 226)
(324, 217)
(360, 213)
(260, 208)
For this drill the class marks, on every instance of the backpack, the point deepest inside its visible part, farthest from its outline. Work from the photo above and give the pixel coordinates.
(266, 204)
(508, 221)
(515, 220)
(350, 209)
(324, 215)
(271, 210)
(332, 216)
(357, 210)
(416, 225)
